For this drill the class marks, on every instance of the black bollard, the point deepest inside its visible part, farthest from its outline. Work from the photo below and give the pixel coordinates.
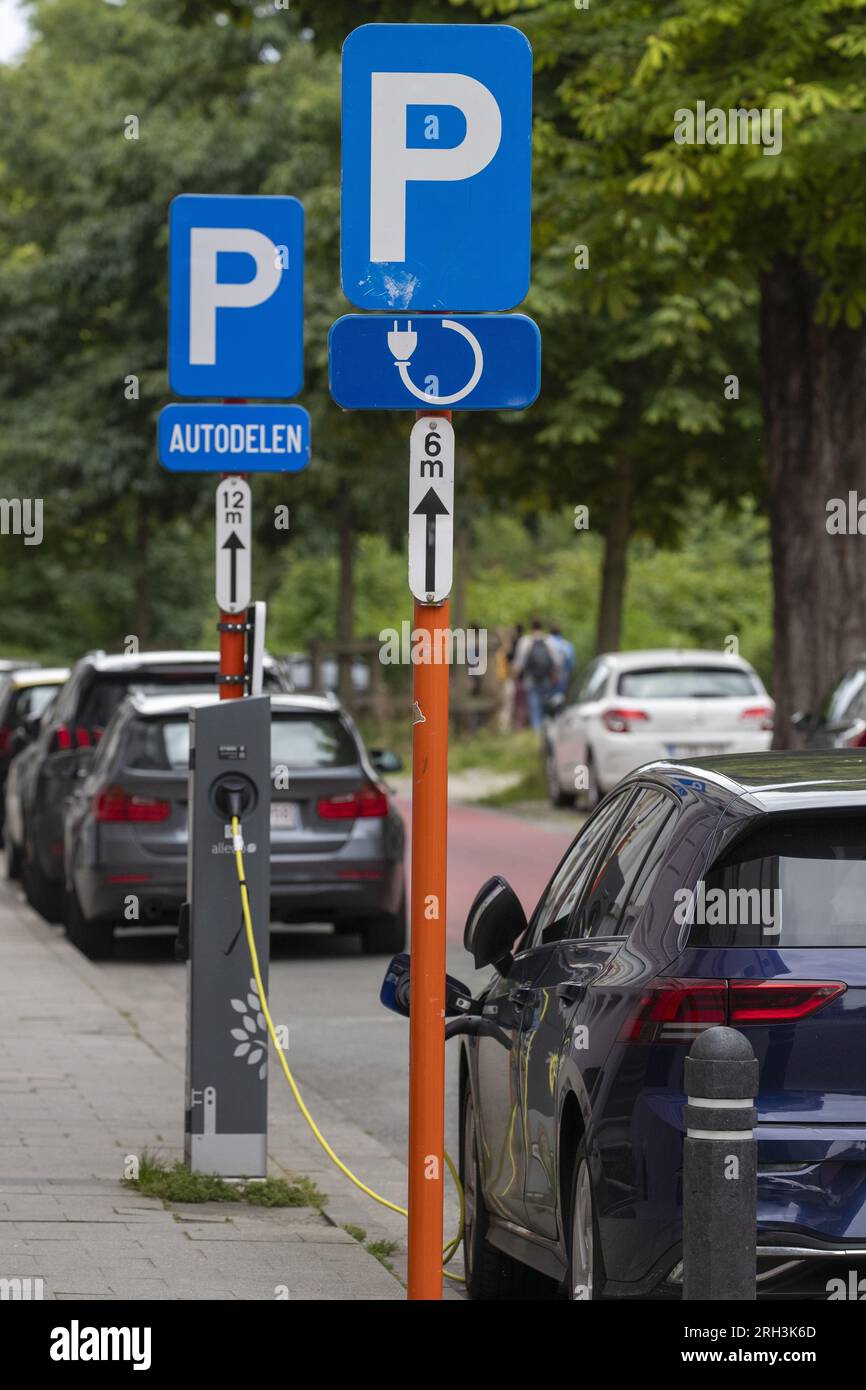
(720, 1168)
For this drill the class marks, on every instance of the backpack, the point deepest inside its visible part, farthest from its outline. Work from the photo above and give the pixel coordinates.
(539, 664)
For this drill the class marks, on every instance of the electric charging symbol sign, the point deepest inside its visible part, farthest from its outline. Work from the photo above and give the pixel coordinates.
(469, 361)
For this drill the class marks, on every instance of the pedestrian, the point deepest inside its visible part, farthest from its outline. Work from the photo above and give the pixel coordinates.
(537, 666)
(566, 657)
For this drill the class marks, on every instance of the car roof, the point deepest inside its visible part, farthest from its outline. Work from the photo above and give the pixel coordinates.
(672, 656)
(797, 780)
(39, 675)
(141, 661)
(156, 706)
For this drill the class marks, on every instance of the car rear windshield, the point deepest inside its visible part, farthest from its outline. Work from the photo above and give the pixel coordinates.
(31, 700)
(687, 683)
(797, 882)
(297, 740)
(107, 692)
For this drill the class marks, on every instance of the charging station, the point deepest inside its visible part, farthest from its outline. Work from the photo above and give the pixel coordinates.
(227, 1044)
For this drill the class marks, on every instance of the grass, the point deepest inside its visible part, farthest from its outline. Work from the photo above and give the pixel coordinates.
(175, 1183)
(381, 1250)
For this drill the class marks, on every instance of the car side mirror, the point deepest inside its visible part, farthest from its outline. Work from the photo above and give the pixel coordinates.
(384, 760)
(554, 703)
(802, 721)
(496, 920)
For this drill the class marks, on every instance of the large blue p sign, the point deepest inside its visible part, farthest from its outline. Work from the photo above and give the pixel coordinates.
(236, 296)
(437, 152)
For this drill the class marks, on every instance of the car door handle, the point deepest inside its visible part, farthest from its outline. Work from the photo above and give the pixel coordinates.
(521, 997)
(570, 993)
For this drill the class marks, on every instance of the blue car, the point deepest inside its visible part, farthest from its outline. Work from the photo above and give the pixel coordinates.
(731, 891)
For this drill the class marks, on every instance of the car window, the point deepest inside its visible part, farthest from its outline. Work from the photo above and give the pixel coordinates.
(625, 873)
(593, 681)
(551, 918)
(798, 881)
(297, 740)
(837, 701)
(687, 683)
(32, 701)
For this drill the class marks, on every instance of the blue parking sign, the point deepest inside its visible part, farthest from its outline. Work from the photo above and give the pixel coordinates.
(437, 163)
(236, 296)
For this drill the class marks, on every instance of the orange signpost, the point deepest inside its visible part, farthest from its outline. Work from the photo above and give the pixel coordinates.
(428, 909)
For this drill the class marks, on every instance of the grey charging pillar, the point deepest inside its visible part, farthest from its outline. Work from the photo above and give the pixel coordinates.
(227, 1045)
(720, 1168)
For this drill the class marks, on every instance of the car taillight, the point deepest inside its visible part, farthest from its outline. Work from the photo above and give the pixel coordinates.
(760, 716)
(117, 804)
(62, 738)
(369, 801)
(778, 1001)
(677, 1011)
(858, 741)
(680, 1010)
(66, 738)
(620, 721)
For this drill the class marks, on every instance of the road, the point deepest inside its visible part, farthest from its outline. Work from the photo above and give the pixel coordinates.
(343, 1044)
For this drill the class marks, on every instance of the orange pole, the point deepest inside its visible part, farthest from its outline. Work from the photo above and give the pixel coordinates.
(427, 994)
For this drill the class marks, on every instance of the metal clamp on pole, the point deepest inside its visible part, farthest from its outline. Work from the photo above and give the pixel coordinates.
(720, 1168)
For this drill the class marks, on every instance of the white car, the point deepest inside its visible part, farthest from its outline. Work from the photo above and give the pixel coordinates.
(634, 707)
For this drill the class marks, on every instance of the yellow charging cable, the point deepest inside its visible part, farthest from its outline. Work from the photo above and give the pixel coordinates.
(453, 1245)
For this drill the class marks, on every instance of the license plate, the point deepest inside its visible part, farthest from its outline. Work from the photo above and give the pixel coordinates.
(284, 815)
(694, 750)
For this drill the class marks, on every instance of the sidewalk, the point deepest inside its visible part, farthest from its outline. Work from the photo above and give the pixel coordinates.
(88, 1076)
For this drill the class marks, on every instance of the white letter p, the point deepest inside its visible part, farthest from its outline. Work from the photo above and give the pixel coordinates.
(393, 165)
(207, 294)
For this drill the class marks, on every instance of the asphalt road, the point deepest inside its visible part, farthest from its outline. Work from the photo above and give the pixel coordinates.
(342, 1042)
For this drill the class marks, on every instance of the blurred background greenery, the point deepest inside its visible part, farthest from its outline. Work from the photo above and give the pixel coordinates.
(706, 501)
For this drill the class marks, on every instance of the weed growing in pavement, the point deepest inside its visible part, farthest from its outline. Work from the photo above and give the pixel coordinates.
(174, 1183)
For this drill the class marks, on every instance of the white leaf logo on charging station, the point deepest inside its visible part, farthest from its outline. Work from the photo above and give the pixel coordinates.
(252, 1039)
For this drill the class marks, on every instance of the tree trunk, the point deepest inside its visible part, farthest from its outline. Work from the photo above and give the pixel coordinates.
(814, 389)
(613, 576)
(345, 625)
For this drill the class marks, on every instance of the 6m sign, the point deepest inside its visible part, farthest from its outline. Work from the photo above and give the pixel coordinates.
(431, 509)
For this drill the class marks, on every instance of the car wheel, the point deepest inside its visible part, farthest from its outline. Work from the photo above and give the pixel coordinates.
(554, 790)
(385, 935)
(11, 859)
(585, 1268)
(490, 1275)
(94, 937)
(43, 895)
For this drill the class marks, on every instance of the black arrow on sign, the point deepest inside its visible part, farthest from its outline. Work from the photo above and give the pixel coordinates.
(430, 506)
(233, 545)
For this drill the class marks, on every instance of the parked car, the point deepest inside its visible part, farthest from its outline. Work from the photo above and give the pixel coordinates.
(97, 685)
(15, 664)
(633, 707)
(840, 719)
(24, 695)
(572, 1145)
(337, 842)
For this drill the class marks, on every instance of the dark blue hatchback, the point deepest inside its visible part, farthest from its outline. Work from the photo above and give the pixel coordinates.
(731, 890)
